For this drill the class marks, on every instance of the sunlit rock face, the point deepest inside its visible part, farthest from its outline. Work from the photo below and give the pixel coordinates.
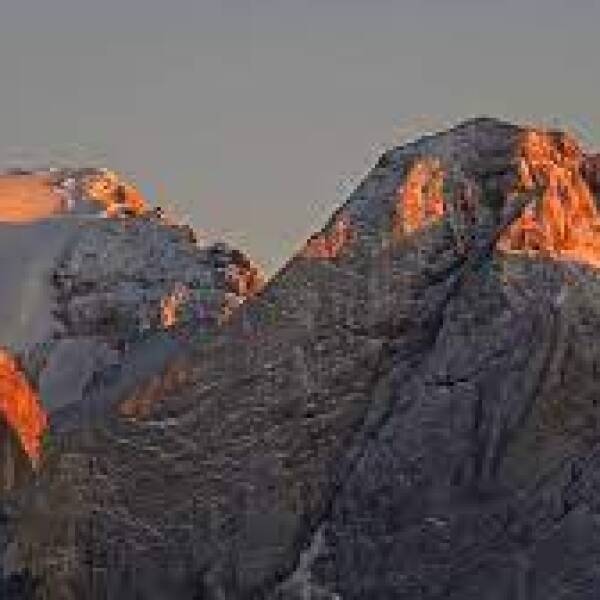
(564, 221)
(407, 410)
(329, 245)
(89, 275)
(420, 198)
(20, 407)
(101, 187)
(27, 196)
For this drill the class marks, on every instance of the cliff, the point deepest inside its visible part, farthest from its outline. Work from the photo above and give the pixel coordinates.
(91, 276)
(407, 410)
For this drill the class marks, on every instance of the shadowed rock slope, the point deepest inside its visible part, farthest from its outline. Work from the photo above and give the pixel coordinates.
(408, 410)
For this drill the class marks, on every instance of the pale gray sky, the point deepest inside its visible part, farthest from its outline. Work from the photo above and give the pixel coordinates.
(255, 118)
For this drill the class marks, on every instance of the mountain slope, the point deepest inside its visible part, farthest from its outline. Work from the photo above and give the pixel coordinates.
(407, 410)
(89, 274)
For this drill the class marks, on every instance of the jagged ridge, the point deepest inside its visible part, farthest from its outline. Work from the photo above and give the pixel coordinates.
(417, 388)
(93, 273)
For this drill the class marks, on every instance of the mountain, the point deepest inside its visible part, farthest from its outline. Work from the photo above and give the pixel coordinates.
(408, 409)
(93, 279)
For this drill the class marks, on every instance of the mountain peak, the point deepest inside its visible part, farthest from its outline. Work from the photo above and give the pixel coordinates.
(468, 175)
(422, 375)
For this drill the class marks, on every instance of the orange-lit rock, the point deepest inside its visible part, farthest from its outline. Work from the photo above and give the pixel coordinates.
(171, 303)
(244, 280)
(104, 187)
(155, 393)
(420, 200)
(20, 406)
(330, 244)
(27, 197)
(563, 222)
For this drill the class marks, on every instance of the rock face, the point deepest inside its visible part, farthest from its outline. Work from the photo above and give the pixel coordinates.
(23, 422)
(31, 195)
(89, 275)
(591, 172)
(407, 410)
(20, 407)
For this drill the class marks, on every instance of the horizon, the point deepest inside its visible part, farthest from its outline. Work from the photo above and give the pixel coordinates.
(252, 122)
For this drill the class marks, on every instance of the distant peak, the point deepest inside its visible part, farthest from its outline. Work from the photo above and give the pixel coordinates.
(29, 195)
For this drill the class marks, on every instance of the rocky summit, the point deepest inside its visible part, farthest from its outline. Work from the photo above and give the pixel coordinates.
(408, 409)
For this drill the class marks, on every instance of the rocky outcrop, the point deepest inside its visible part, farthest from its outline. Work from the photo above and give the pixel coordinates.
(407, 410)
(20, 406)
(564, 222)
(420, 198)
(23, 421)
(31, 195)
(122, 278)
(331, 244)
(91, 274)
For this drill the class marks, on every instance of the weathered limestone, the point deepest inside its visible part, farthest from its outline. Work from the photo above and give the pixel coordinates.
(408, 410)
